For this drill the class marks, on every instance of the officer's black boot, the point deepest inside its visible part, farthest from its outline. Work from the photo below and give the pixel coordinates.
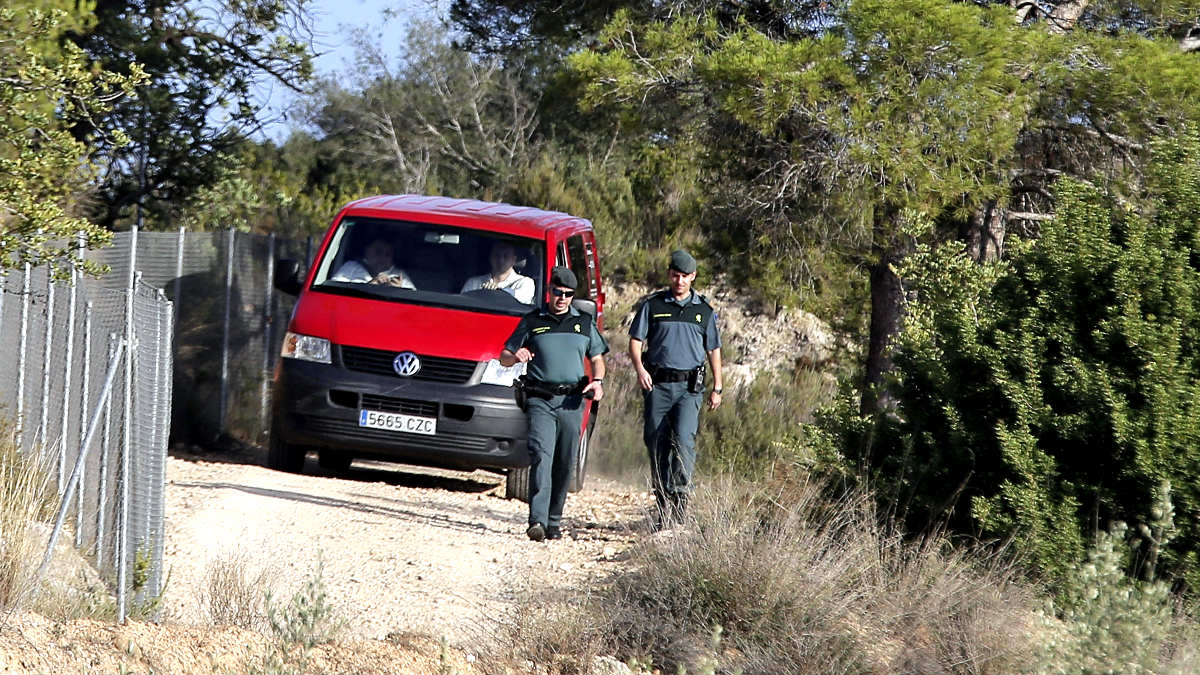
(679, 503)
(662, 515)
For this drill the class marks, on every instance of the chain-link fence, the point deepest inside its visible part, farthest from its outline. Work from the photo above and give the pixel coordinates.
(193, 348)
(60, 340)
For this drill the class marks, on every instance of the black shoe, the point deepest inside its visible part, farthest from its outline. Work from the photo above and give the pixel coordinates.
(536, 532)
(553, 532)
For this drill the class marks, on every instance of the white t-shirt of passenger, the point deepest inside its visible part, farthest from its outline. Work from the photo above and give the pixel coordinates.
(517, 285)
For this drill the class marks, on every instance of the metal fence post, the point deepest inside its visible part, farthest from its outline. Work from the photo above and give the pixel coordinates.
(102, 494)
(43, 421)
(268, 322)
(127, 436)
(22, 356)
(225, 334)
(84, 394)
(179, 264)
(65, 426)
(163, 385)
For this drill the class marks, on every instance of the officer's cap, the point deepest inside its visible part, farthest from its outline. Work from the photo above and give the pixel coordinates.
(683, 261)
(561, 276)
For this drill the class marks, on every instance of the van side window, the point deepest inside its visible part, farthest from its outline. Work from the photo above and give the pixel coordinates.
(577, 261)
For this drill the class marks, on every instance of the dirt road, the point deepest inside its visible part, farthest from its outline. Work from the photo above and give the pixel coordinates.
(402, 549)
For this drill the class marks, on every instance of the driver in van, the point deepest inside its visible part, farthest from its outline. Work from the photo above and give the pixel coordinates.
(375, 267)
(502, 259)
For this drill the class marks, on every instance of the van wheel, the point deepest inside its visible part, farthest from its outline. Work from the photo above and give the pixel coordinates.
(516, 486)
(283, 456)
(334, 461)
(581, 458)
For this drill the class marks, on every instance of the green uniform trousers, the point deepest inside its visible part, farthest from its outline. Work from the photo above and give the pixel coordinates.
(671, 415)
(553, 443)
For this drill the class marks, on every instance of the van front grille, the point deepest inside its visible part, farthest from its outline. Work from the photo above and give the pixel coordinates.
(406, 406)
(433, 368)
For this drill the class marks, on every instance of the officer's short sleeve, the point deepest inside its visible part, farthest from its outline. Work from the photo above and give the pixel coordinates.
(712, 336)
(519, 336)
(597, 345)
(641, 322)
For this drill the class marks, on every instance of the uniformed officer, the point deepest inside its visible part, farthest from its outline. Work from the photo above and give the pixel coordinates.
(677, 328)
(554, 340)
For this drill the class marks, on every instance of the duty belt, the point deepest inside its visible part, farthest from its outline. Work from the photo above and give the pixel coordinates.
(536, 388)
(660, 374)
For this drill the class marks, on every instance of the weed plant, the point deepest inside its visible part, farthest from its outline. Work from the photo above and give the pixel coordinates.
(234, 592)
(26, 499)
(297, 626)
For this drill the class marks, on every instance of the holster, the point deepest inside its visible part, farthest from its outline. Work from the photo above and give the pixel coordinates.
(696, 380)
(519, 394)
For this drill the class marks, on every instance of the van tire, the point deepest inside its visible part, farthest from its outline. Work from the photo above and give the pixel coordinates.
(334, 461)
(283, 456)
(581, 458)
(516, 486)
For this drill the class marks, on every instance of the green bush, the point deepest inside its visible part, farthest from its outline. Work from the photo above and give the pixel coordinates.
(1047, 395)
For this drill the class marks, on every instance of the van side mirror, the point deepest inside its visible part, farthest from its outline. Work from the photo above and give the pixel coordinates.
(287, 276)
(585, 306)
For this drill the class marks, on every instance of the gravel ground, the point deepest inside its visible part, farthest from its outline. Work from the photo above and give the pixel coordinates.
(402, 550)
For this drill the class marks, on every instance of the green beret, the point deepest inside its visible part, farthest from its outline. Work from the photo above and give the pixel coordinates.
(562, 276)
(683, 261)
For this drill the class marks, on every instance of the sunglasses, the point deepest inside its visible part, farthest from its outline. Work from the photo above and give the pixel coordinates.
(559, 293)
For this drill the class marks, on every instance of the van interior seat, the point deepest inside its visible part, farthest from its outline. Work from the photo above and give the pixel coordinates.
(430, 268)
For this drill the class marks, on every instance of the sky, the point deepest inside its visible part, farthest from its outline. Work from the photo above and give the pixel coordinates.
(334, 22)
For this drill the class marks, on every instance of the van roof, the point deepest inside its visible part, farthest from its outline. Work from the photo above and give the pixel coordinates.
(507, 218)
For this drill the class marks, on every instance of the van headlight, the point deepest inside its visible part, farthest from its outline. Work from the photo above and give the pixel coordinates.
(305, 348)
(494, 373)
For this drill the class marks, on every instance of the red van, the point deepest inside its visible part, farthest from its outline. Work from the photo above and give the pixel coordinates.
(392, 348)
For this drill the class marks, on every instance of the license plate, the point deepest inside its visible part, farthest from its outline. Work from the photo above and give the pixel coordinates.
(397, 422)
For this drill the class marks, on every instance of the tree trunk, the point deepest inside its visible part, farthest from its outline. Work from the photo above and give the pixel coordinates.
(984, 233)
(887, 309)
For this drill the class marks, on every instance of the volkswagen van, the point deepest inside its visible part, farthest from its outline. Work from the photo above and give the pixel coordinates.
(391, 352)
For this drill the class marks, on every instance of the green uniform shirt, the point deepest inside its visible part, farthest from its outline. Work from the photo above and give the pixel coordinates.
(559, 344)
(678, 333)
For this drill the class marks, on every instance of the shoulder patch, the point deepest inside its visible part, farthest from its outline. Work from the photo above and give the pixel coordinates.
(540, 329)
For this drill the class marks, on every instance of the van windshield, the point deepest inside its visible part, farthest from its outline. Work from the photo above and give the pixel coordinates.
(432, 264)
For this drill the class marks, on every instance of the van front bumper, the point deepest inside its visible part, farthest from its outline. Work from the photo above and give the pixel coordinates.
(479, 426)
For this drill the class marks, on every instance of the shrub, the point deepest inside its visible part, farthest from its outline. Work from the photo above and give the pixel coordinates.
(794, 582)
(1046, 394)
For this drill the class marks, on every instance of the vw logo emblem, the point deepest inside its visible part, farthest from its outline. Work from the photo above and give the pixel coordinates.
(406, 364)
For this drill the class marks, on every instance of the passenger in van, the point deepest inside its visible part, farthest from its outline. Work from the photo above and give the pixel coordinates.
(503, 258)
(375, 267)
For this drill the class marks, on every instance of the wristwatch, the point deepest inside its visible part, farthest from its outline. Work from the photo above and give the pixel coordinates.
(597, 379)
(717, 390)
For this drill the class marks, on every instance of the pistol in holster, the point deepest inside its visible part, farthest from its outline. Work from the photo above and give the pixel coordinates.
(696, 380)
(519, 393)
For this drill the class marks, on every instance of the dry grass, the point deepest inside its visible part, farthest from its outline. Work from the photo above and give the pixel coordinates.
(789, 581)
(26, 499)
(234, 592)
